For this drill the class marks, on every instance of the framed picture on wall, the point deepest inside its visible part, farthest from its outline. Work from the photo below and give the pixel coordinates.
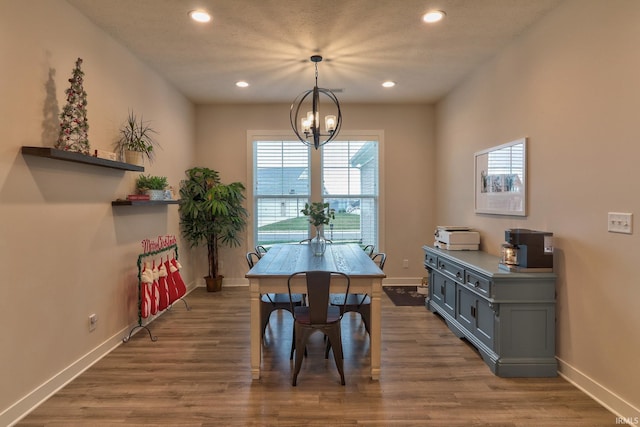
(501, 178)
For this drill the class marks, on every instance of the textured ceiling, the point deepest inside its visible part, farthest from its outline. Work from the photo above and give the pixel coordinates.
(268, 43)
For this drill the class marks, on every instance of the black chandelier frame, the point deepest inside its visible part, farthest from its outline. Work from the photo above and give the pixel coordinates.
(314, 137)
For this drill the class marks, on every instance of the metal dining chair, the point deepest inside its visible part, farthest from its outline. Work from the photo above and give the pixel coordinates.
(272, 302)
(360, 303)
(318, 315)
(260, 250)
(369, 250)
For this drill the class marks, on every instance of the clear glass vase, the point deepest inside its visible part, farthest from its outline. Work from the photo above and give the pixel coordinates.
(318, 243)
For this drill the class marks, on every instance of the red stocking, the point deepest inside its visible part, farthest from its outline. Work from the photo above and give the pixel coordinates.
(173, 290)
(182, 289)
(155, 290)
(164, 287)
(146, 279)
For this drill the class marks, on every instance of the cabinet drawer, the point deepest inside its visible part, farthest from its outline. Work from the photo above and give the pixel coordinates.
(451, 269)
(430, 260)
(481, 284)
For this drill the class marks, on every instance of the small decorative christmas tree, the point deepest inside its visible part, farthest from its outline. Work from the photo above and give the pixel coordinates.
(74, 124)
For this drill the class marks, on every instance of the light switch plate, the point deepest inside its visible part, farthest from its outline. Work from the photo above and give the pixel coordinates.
(620, 222)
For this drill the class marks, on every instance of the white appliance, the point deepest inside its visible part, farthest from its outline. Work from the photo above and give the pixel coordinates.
(455, 238)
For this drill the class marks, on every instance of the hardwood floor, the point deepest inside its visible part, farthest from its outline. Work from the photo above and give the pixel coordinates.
(197, 374)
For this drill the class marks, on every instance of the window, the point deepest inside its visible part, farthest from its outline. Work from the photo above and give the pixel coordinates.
(285, 177)
(281, 185)
(350, 185)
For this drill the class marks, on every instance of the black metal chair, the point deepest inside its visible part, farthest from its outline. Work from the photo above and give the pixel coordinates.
(271, 302)
(360, 303)
(307, 241)
(369, 250)
(260, 250)
(318, 315)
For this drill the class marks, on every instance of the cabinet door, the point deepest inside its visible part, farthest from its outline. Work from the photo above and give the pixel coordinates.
(476, 316)
(486, 320)
(466, 309)
(444, 293)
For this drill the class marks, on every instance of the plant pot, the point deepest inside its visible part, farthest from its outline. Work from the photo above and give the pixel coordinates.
(214, 284)
(155, 194)
(134, 157)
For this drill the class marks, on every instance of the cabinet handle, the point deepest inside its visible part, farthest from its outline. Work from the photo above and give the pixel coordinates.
(458, 275)
(473, 312)
(476, 284)
(442, 289)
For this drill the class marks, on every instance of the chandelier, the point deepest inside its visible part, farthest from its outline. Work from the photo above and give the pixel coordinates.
(307, 127)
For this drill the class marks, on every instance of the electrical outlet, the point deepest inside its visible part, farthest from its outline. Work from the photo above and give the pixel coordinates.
(93, 322)
(620, 222)
(405, 263)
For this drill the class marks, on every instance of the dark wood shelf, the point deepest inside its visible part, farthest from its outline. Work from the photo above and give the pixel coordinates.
(70, 156)
(143, 202)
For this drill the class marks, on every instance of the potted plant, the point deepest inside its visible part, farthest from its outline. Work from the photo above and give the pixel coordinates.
(154, 186)
(319, 214)
(136, 140)
(211, 212)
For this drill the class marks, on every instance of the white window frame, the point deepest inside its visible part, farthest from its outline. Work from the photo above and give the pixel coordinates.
(316, 184)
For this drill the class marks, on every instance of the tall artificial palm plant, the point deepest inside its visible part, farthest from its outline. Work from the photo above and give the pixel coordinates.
(213, 213)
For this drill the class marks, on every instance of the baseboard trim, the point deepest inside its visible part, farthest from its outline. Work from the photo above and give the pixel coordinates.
(29, 402)
(605, 397)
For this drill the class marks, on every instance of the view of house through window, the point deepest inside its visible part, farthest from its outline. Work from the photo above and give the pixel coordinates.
(284, 180)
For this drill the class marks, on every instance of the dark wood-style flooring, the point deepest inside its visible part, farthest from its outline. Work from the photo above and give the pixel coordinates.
(197, 374)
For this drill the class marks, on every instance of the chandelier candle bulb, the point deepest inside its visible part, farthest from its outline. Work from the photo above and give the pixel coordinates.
(330, 123)
(306, 125)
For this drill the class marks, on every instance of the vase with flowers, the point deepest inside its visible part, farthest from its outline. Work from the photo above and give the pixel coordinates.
(319, 214)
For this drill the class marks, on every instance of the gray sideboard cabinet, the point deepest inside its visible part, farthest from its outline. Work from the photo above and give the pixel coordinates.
(509, 317)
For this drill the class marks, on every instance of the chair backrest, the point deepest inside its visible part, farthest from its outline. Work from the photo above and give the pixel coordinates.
(260, 250)
(368, 250)
(380, 258)
(252, 258)
(318, 292)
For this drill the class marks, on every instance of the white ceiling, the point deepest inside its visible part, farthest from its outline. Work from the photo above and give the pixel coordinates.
(268, 43)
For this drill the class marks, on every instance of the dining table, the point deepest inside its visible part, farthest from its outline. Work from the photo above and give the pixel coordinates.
(271, 272)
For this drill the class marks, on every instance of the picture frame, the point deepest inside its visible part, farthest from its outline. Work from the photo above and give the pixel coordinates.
(501, 179)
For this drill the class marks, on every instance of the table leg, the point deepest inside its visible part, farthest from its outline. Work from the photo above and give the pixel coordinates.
(375, 334)
(256, 346)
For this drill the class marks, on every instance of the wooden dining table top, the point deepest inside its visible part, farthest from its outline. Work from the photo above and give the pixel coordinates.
(285, 259)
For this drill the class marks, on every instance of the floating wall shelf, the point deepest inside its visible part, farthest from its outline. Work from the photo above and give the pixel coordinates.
(70, 156)
(143, 202)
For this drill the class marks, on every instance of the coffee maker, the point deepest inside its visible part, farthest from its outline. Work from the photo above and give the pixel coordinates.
(527, 250)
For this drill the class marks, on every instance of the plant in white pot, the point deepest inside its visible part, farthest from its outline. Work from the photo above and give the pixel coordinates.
(154, 186)
(137, 140)
(213, 213)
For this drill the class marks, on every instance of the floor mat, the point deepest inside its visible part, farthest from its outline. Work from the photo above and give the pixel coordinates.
(404, 295)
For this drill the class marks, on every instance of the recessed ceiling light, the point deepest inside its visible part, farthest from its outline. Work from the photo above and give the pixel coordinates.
(200, 16)
(388, 83)
(433, 16)
(242, 83)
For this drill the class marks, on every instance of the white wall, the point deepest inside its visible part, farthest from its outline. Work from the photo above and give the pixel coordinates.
(571, 86)
(407, 178)
(64, 251)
